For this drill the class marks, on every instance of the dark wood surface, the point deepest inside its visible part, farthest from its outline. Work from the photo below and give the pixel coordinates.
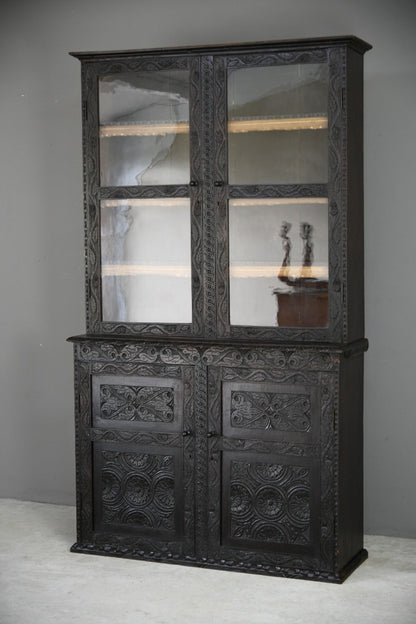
(253, 495)
(227, 447)
(291, 44)
(209, 197)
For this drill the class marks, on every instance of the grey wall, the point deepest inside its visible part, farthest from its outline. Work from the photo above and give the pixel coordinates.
(41, 266)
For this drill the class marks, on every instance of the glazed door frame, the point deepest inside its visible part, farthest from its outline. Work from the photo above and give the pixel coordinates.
(334, 190)
(209, 193)
(94, 193)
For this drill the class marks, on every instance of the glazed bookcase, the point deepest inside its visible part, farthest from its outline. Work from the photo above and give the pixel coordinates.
(219, 383)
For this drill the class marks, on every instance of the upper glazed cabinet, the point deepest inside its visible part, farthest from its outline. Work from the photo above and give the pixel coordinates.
(223, 191)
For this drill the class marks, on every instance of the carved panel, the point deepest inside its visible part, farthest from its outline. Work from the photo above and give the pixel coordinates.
(337, 184)
(269, 503)
(140, 402)
(135, 437)
(270, 410)
(136, 352)
(136, 490)
(277, 58)
(278, 190)
(137, 64)
(196, 194)
(132, 368)
(207, 158)
(266, 446)
(300, 358)
(146, 403)
(143, 192)
(220, 174)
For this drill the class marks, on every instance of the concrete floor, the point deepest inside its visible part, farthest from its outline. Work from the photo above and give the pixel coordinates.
(42, 582)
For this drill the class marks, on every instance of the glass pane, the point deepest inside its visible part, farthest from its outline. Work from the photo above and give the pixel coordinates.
(279, 262)
(146, 261)
(144, 128)
(277, 124)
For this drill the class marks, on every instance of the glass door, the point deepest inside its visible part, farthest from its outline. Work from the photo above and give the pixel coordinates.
(148, 200)
(275, 204)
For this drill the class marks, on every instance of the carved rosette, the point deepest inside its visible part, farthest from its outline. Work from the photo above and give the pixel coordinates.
(270, 503)
(137, 489)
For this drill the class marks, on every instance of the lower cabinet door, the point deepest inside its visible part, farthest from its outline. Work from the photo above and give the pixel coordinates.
(138, 491)
(270, 504)
(142, 456)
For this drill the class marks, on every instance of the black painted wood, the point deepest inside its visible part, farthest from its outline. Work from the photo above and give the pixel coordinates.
(209, 209)
(294, 470)
(236, 448)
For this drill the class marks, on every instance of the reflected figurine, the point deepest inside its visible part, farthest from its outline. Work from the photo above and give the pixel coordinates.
(287, 247)
(306, 235)
(302, 296)
(286, 242)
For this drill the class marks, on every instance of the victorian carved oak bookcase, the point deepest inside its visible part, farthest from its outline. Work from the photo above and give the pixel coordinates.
(219, 383)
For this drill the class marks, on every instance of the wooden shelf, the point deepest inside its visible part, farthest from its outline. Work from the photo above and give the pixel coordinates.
(235, 126)
(239, 271)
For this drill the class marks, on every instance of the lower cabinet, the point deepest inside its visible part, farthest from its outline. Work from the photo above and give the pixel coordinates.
(221, 457)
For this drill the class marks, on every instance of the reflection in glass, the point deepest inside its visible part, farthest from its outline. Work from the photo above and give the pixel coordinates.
(279, 262)
(144, 128)
(146, 261)
(277, 124)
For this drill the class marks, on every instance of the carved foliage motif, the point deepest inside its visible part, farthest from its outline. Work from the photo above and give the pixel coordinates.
(270, 502)
(270, 410)
(138, 489)
(91, 183)
(220, 166)
(280, 190)
(195, 192)
(301, 358)
(279, 358)
(277, 58)
(208, 255)
(336, 193)
(138, 403)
